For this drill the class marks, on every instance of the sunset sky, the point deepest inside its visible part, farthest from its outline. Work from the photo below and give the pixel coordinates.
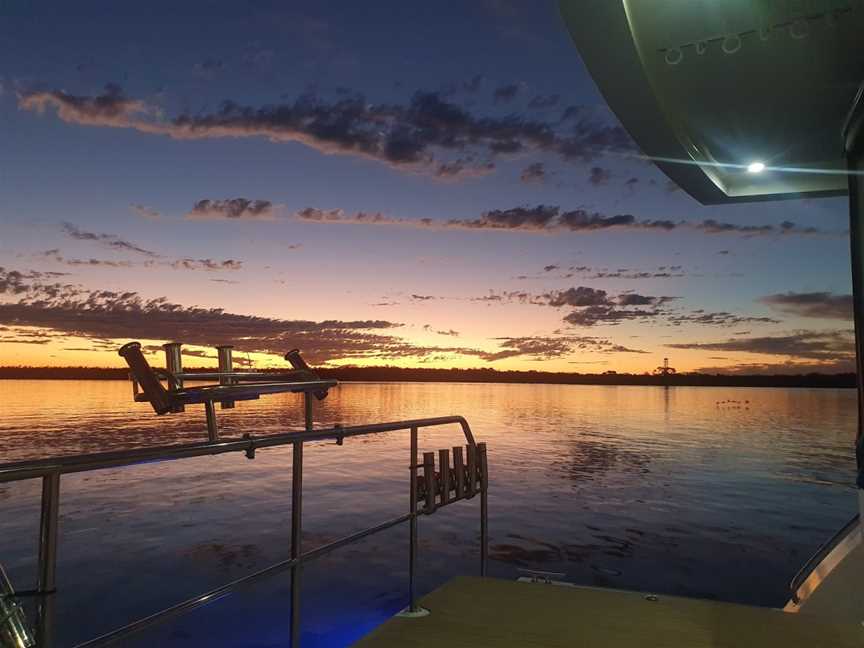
(406, 183)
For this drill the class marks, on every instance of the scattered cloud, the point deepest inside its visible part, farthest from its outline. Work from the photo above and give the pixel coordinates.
(449, 332)
(550, 219)
(232, 209)
(178, 264)
(829, 345)
(781, 368)
(409, 136)
(206, 264)
(506, 93)
(719, 318)
(67, 310)
(146, 212)
(533, 173)
(542, 102)
(595, 306)
(550, 347)
(599, 176)
(471, 86)
(825, 305)
(463, 168)
(589, 272)
(111, 241)
(209, 68)
(111, 108)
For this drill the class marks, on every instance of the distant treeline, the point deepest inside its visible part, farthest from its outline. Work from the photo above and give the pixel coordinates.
(397, 374)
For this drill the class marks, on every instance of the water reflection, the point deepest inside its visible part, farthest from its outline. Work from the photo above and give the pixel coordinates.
(592, 459)
(633, 487)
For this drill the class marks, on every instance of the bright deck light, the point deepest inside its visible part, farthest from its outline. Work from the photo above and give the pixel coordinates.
(755, 167)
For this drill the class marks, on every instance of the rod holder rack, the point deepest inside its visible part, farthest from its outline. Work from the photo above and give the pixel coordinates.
(230, 385)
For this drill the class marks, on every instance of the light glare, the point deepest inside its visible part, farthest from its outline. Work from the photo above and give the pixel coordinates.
(755, 167)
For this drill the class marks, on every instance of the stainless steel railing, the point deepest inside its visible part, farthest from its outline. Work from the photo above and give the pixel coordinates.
(819, 555)
(51, 470)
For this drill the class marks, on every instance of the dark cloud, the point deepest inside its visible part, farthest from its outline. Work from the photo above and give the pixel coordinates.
(409, 135)
(463, 168)
(548, 348)
(179, 264)
(105, 263)
(541, 102)
(257, 57)
(533, 173)
(146, 212)
(661, 272)
(590, 305)
(824, 305)
(781, 368)
(206, 264)
(447, 332)
(471, 86)
(635, 299)
(111, 108)
(106, 240)
(599, 176)
(550, 218)
(581, 296)
(808, 345)
(232, 209)
(108, 315)
(66, 310)
(719, 318)
(209, 68)
(593, 306)
(608, 314)
(506, 93)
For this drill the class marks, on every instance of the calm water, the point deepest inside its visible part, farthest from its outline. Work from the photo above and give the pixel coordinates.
(708, 492)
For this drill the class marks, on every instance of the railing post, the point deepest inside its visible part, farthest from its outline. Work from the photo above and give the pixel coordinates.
(484, 509)
(412, 537)
(45, 621)
(174, 365)
(226, 365)
(212, 425)
(48, 533)
(297, 522)
(47, 580)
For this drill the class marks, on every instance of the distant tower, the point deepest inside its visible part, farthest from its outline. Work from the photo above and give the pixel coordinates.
(665, 371)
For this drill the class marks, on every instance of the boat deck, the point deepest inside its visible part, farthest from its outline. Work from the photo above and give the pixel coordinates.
(484, 612)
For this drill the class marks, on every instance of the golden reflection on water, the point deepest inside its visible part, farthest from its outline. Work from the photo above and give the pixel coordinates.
(701, 491)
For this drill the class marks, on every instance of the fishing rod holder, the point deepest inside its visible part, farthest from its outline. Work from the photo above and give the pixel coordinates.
(229, 386)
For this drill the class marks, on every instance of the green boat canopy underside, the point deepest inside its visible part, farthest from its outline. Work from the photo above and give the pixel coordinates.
(708, 87)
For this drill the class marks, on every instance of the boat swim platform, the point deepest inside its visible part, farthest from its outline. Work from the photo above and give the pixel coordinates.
(473, 612)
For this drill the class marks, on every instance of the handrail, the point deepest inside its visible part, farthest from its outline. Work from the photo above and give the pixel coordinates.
(62, 465)
(819, 555)
(50, 470)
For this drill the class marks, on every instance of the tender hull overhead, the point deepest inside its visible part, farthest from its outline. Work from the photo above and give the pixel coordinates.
(707, 88)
